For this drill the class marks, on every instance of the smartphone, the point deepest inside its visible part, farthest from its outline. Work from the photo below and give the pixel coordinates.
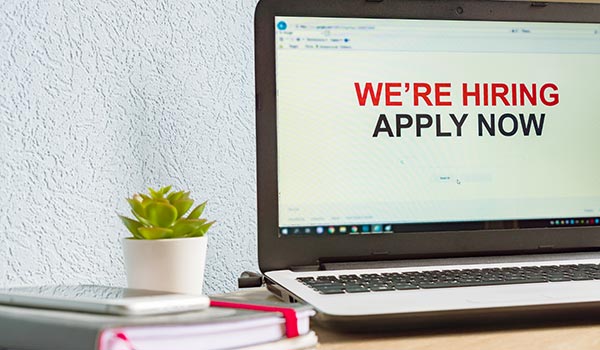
(103, 299)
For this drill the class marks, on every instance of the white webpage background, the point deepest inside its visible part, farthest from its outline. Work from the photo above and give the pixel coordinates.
(331, 170)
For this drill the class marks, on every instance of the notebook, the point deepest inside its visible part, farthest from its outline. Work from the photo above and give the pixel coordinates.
(423, 158)
(226, 326)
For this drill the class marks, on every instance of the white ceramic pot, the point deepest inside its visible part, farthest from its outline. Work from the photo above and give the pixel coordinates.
(172, 265)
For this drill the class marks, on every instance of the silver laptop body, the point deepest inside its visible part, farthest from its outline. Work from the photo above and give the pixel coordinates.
(425, 159)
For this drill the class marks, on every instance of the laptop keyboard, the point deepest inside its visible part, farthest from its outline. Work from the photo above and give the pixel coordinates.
(373, 282)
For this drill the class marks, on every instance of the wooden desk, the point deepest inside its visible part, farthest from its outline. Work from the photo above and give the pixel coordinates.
(568, 336)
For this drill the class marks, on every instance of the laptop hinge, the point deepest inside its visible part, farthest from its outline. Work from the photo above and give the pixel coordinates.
(528, 258)
(303, 268)
(322, 264)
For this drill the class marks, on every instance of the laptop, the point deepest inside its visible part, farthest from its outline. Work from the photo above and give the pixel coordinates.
(426, 160)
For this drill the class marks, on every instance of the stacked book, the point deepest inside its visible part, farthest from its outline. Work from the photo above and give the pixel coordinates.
(225, 325)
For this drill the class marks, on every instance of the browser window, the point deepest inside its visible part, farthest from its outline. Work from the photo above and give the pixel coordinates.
(387, 125)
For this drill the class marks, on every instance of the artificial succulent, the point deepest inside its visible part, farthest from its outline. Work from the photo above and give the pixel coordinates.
(160, 214)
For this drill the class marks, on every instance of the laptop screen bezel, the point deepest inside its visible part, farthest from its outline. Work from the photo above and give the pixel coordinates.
(275, 253)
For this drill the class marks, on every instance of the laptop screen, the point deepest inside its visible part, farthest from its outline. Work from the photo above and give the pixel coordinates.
(393, 125)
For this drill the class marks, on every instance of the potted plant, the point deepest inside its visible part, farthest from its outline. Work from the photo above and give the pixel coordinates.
(168, 249)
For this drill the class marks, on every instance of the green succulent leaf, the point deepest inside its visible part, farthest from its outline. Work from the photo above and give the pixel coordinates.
(195, 214)
(155, 232)
(145, 199)
(165, 190)
(154, 193)
(184, 227)
(201, 231)
(161, 214)
(136, 206)
(186, 195)
(182, 205)
(141, 219)
(175, 196)
(132, 225)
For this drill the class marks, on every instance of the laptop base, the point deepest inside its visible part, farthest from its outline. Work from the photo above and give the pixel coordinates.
(475, 320)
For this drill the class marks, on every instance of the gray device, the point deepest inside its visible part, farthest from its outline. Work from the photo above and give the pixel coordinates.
(102, 299)
(425, 158)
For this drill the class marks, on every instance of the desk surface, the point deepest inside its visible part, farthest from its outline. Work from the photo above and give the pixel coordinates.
(570, 336)
(566, 337)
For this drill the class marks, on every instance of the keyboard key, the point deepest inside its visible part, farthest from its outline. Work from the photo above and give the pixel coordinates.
(559, 278)
(327, 278)
(355, 289)
(581, 277)
(332, 291)
(381, 288)
(515, 278)
(324, 284)
(353, 284)
(444, 285)
(348, 277)
(305, 279)
(541, 280)
(327, 285)
(405, 286)
(390, 274)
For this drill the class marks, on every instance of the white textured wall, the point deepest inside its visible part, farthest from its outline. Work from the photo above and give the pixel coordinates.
(99, 99)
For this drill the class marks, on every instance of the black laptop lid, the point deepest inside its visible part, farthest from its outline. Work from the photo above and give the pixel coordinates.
(398, 129)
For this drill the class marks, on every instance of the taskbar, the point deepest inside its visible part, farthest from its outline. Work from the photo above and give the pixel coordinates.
(387, 228)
